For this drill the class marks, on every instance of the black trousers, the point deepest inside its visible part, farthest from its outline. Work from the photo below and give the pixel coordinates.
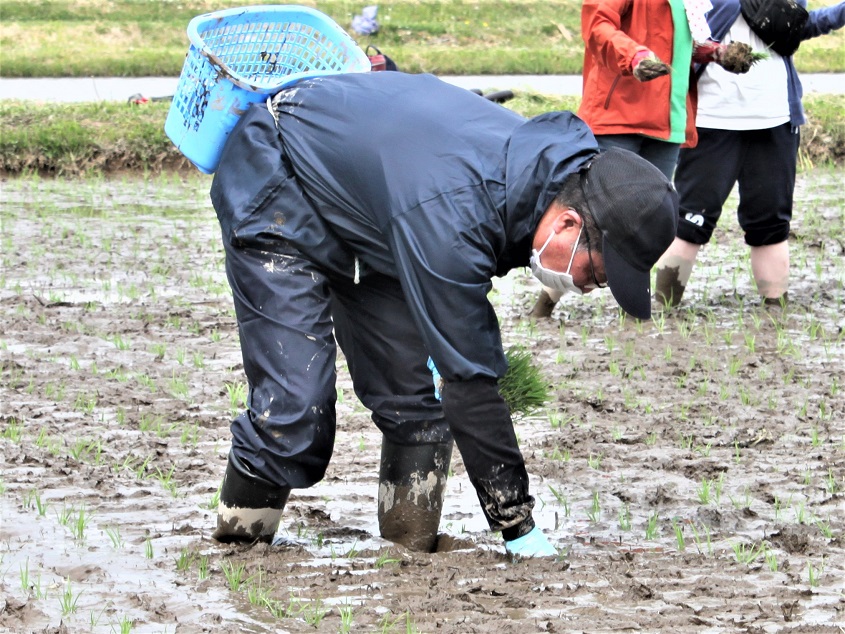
(761, 162)
(289, 313)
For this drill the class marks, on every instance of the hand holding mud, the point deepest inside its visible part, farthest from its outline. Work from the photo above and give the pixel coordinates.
(736, 57)
(647, 66)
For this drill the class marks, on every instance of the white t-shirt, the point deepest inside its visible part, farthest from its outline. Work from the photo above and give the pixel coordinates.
(755, 100)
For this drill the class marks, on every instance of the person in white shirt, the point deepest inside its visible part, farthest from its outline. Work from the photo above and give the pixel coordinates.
(748, 133)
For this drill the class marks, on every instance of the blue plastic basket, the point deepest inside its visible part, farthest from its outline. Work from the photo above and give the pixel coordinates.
(240, 56)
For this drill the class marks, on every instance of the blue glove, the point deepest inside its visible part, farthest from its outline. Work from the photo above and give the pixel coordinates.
(534, 544)
(435, 374)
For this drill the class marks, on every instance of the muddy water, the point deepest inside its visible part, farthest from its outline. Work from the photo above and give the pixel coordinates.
(690, 470)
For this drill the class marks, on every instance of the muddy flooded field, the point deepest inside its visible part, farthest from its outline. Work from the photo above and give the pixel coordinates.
(690, 470)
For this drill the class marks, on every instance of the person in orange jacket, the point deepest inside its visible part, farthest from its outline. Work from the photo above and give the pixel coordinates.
(638, 85)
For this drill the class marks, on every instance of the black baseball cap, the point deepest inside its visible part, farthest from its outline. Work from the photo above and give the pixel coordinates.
(636, 209)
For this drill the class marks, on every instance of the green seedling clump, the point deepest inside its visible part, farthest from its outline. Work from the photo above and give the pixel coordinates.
(523, 386)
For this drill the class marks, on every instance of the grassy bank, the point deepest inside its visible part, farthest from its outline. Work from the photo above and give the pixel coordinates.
(108, 138)
(137, 38)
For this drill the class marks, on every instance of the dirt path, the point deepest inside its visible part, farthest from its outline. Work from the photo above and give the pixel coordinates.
(690, 470)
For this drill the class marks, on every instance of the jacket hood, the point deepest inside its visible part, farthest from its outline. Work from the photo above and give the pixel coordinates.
(541, 153)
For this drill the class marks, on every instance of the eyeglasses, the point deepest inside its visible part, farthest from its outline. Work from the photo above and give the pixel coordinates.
(590, 258)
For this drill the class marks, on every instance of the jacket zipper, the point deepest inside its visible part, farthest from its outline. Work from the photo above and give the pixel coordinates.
(610, 92)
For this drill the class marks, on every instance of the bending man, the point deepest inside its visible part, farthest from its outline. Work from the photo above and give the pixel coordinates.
(376, 209)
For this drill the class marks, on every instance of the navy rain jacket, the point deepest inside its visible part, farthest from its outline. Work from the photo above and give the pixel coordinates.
(411, 177)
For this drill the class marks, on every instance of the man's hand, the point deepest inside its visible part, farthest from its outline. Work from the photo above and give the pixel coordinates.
(533, 544)
(646, 66)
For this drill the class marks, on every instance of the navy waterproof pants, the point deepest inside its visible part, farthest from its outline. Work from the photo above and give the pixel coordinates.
(289, 313)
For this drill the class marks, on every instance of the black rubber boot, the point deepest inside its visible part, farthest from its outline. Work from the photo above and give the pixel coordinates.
(543, 307)
(412, 485)
(250, 507)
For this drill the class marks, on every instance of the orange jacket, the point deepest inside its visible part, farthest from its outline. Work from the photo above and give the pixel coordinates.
(613, 101)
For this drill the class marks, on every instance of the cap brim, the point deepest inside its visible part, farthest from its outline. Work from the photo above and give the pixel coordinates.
(630, 287)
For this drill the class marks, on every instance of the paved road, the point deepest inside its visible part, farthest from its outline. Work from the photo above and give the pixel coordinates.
(120, 89)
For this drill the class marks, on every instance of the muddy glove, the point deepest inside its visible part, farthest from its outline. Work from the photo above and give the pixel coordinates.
(709, 51)
(435, 374)
(646, 66)
(533, 544)
(736, 57)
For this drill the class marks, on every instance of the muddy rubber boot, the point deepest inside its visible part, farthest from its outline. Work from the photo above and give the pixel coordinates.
(250, 507)
(776, 302)
(668, 289)
(674, 268)
(412, 485)
(544, 306)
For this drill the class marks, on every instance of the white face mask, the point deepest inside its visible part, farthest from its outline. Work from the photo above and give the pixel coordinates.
(561, 282)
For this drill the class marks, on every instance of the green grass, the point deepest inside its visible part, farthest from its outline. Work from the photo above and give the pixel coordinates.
(107, 138)
(135, 38)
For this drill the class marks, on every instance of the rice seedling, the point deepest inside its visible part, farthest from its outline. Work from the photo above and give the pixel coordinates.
(40, 505)
(384, 559)
(814, 573)
(13, 430)
(237, 397)
(314, 612)
(190, 435)
(651, 526)
(113, 533)
(78, 526)
(824, 528)
(560, 456)
(24, 575)
(594, 512)
(124, 625)
(625, 517)
(256, 593)
(94, 617)
(148, 548)
(185, 560)
(141, 470)
(800, 512)
(64, 515)
(704, 491)
(594, 461)
(68, 600)
(561, 500)
(119, 342)
(742, 503)
(703, 450)
(678, 529)
(523, 386)
(830, 483)
(346, 618)
(202, 567)
(353, 550)
(747, 553)
(771, 559)
(558, 420)
(699, 541)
